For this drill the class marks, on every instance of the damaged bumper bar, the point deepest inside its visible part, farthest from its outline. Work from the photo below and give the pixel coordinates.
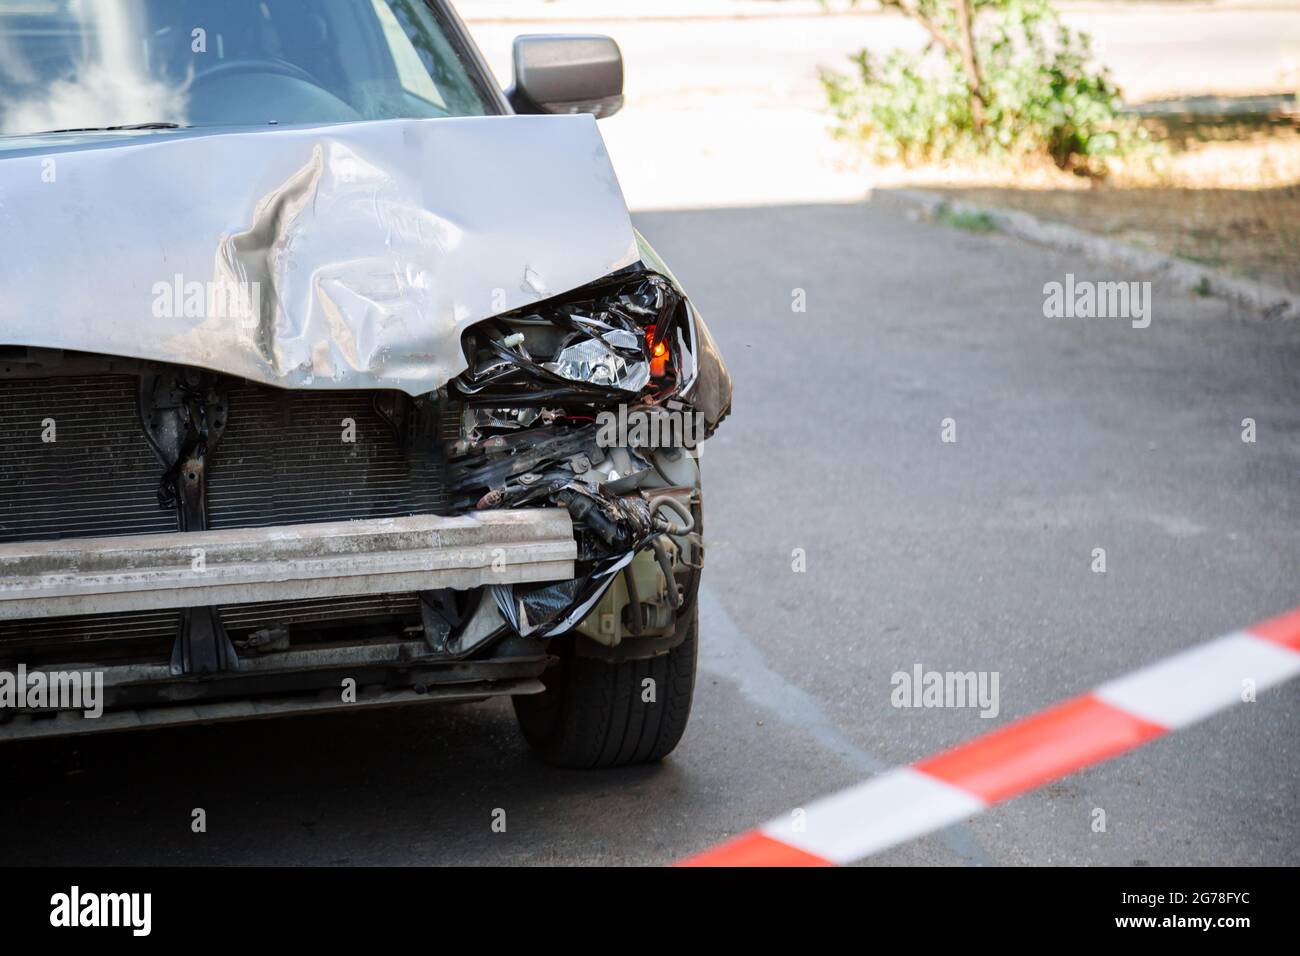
(67, 723)
(293, 562)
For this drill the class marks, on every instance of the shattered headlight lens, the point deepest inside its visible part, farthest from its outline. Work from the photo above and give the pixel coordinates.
(615, 359)
(616, 339)
(630, 336)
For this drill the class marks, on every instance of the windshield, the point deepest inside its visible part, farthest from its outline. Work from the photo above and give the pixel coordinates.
(92, 64)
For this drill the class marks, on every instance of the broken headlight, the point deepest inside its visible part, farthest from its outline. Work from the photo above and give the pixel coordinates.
(614, 358)
(524, 425)
(630, 337)
(612, 341)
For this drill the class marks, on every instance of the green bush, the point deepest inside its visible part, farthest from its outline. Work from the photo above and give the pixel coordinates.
(1036, 92)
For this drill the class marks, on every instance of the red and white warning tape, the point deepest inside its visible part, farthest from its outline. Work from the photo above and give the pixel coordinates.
(930, 794)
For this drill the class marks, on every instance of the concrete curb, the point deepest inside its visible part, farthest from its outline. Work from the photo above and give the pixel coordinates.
(1269, 301)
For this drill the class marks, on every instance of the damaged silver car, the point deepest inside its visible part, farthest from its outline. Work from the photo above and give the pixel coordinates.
(329, 379)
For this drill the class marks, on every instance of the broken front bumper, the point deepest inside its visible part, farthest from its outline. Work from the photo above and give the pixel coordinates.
(295, 562)
(312, 562)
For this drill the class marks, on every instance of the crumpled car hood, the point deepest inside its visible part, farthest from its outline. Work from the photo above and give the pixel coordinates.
(365, 248)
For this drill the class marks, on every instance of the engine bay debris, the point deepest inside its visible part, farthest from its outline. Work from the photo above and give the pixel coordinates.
(548, 413)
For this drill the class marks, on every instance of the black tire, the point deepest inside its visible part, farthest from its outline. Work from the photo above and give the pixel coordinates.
(592, 714)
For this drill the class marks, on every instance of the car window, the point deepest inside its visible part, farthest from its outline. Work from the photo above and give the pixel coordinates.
(92, 64)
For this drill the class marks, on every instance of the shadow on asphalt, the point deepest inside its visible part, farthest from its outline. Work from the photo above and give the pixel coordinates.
(413, 785)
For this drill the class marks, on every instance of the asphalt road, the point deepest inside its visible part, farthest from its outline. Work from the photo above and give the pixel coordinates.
(976, 555)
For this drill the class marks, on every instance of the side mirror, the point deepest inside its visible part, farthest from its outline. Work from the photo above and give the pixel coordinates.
(574, 73)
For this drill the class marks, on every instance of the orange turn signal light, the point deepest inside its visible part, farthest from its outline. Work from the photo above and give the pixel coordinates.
(658, 353)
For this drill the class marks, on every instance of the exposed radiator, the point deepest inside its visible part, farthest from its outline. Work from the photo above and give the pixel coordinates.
(281, 460)
(133, 637)
(97, 477)
(147, 636)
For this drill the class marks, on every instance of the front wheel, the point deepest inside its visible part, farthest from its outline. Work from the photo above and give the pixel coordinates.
(595, 713)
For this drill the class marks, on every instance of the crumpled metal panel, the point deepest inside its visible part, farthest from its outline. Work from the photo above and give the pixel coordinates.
(372, 246)
(710, 392)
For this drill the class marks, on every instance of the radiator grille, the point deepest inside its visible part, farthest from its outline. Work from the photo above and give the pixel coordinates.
(128, 637)
(147, 636)
(98, 477)
(283, 460)
(241, 618)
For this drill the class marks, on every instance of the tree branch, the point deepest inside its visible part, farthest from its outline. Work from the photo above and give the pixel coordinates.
(930, 26)
(963, 50)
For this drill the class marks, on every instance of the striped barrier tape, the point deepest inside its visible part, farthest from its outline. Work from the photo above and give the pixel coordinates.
(932, 793)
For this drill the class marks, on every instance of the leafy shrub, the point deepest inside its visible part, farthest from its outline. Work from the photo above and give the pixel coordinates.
(1022, 85)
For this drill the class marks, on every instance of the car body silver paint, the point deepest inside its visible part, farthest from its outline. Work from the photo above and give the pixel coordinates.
(373, 245)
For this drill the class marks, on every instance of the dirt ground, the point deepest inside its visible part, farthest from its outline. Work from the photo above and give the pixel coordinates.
(1226, 194)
